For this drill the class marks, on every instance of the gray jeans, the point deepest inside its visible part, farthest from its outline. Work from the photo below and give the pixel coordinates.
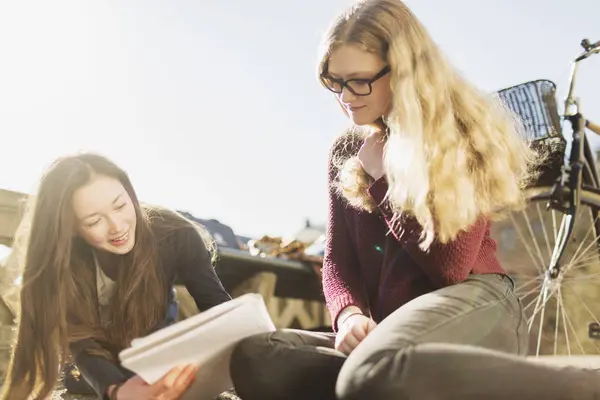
(461, 342)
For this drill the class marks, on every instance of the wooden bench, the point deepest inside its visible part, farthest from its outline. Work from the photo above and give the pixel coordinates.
(291, 289)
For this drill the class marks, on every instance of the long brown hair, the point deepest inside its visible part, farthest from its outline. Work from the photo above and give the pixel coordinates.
(59, 302)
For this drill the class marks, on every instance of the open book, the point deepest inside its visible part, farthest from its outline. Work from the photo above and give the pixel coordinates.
(206, 340)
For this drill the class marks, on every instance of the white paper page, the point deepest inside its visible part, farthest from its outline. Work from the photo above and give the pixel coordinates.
(181, 327)
(209, 346)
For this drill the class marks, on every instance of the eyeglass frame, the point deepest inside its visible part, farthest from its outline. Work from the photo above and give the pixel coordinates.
(344, 83)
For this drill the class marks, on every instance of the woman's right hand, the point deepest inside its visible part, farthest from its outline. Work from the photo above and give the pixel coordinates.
(352, 331)
(170, 387)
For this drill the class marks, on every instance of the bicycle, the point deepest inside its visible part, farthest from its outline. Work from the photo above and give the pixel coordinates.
(566, 187)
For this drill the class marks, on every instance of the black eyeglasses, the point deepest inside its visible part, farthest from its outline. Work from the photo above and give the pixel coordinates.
(358, 87)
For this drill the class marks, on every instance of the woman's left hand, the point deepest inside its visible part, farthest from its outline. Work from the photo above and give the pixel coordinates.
(353, 331)
(370, 155)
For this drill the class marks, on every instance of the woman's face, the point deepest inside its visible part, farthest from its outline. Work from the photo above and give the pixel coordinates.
(105, 216)
(350, 62)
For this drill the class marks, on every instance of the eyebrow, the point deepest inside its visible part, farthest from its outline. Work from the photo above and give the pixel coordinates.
(352, 75)
(113, 202)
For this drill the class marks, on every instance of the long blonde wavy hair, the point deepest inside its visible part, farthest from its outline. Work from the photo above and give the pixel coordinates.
(452, 153)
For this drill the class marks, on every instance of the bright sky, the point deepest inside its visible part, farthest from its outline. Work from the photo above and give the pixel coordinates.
(213, 106)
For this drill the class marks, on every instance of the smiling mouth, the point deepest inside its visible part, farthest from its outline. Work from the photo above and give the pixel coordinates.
(356, 108)
(120, 240)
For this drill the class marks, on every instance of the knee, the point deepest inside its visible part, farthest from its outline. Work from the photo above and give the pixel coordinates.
(253, 367)
(378, 376)
(248, 357)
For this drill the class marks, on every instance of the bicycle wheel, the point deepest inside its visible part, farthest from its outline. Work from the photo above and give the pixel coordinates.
(561, 311)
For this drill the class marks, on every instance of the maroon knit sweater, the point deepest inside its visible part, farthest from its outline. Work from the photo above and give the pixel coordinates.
(354, 269)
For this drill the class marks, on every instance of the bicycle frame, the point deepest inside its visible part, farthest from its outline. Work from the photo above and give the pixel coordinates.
(566, 192)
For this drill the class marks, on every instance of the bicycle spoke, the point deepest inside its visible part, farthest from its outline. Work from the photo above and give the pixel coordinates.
(535, 309)
(582, 278)
(537, 287)
(554, 225)
(525, 308)
(582, 262)
(532, 279)
(587, 248)
(541, 219)
(562, 237)
(535, 243)
(572, 329)
(526, 246)
(575, 256)
(539, 307)
(560, 301)
(541, 328)
(587, 308)
(556, 325)
(579, 263)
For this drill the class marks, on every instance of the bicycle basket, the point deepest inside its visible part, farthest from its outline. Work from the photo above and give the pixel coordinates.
(534, 103)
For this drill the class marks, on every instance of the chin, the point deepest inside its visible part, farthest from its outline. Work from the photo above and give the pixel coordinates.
(122, 250)
(362, 120)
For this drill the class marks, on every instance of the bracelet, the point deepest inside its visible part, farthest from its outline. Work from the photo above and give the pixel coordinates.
(347, 317)
(113, 394)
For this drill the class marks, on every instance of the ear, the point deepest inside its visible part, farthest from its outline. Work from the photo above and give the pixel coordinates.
(75, 233)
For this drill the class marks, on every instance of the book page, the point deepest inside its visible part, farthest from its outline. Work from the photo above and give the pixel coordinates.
(168, 333)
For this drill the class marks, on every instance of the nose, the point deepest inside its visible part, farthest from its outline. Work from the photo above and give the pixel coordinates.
(347, 96)
(115, 225)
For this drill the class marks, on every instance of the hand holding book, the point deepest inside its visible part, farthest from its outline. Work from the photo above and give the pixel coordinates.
(170, 387)
(205, 340)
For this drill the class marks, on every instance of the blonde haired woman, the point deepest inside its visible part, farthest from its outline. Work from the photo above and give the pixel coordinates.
(420, 306)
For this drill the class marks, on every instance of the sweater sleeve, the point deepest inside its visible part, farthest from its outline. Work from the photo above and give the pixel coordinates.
(99, 372)
(342, 285)
(196, 271)
(444, 264)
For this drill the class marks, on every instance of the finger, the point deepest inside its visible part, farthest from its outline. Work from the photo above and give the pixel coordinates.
(348, 347)
(359, 331)
(345, 348)
(351, 341)
(184, 381)
(342, 345)
(166, 382)
(186, 378)
(370, 326)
